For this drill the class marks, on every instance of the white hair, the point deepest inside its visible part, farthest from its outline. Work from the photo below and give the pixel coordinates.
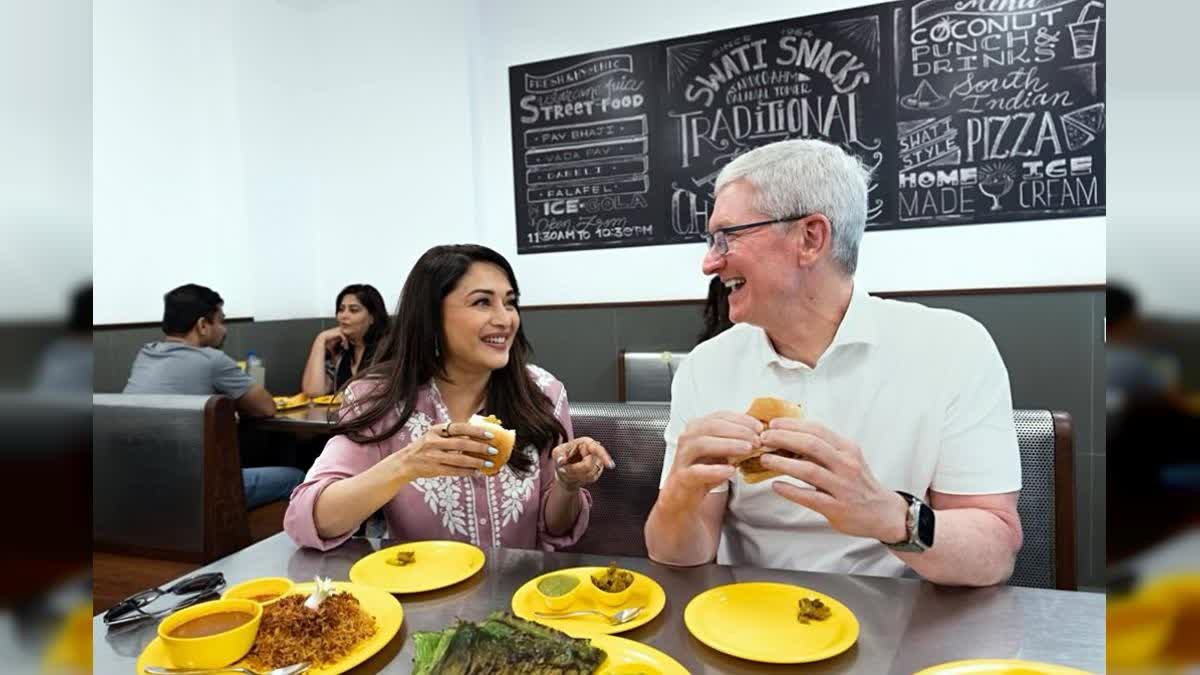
(807, 176)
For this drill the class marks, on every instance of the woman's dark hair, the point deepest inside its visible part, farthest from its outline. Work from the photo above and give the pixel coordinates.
(184, 306)
(1119, 303)
(716, 310)
(80, 320)
(412, 354)
(373, 302)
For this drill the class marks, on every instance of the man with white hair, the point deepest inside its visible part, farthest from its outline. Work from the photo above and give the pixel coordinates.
(908, 428)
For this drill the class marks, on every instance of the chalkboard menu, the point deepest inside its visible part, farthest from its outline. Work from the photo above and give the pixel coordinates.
(967, 111)
(582, 144)
(1000, 110)
(732, 91)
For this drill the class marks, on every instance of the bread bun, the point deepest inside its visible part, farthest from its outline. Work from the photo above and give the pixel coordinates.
(504, 441)
(764, 409)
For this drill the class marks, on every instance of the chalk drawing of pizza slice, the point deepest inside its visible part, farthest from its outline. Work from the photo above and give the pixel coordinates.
(1083, 125)
(924, 98)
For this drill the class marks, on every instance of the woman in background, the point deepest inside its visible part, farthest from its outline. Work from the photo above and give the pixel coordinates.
(338, 353)
(716, 311)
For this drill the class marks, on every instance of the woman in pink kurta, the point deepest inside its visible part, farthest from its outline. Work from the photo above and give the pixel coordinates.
(405, 446)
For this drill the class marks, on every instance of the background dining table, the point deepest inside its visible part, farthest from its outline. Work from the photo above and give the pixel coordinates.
(308, 418)
(906, 624)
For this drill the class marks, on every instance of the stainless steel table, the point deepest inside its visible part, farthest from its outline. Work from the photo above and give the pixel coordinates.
(906, 624)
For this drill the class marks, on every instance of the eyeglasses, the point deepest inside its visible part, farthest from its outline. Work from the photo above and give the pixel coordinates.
(720, 238)
(203, 587)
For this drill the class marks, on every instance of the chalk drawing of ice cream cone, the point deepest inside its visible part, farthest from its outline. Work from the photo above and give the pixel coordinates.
(995, 181)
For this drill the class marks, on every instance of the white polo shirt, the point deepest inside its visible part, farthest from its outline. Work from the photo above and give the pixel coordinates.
(922, 391)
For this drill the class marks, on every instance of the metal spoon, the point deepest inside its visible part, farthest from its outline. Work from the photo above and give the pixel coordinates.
(293, 669)
(624, 616)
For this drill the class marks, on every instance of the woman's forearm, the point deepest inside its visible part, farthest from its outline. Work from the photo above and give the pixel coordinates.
(346, 503)
(562, 509)
(315, 382)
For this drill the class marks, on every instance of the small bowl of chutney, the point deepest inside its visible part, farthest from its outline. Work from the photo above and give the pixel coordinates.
(557, 591)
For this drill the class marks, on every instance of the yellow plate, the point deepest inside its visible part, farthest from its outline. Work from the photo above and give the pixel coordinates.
(437, 564)
(384, 607)
(999, 667)
(645, 592)
(758, 621)
(328, 399)
(289, 402)
(1138, 628)
(626, 657)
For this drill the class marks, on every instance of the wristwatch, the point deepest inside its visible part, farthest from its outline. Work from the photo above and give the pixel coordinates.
(920, 522)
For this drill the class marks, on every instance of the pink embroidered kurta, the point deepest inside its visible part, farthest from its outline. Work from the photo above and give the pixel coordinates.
(488, 511)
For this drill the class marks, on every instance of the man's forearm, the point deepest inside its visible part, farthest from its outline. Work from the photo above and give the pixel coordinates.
(257, 402)
(971, 547)
(675, 532)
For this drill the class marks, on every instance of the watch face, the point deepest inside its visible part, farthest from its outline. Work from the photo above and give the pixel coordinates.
(925, 526)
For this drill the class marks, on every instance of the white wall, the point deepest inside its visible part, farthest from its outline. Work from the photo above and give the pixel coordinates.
(356, 141)
(271, 52)
(45, 155)
(1153, 96)
(331, 138)
(391, 137)
(1068, 251)
(168, 187)
(278, 150)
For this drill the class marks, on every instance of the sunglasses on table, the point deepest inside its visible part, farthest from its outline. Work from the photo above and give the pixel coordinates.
(200, 588)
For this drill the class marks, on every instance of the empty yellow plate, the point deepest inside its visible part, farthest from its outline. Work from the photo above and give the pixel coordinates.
(328, 399)
(1000, 667)
(436, 564)
(645, 592)
(758, 621)
(626, 657)
(384, 607)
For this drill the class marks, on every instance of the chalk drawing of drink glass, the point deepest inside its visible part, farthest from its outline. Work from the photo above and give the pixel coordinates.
(1085, 31)
(995, 181)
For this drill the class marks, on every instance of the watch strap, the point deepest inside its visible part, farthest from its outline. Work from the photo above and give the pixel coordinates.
(913, 543)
